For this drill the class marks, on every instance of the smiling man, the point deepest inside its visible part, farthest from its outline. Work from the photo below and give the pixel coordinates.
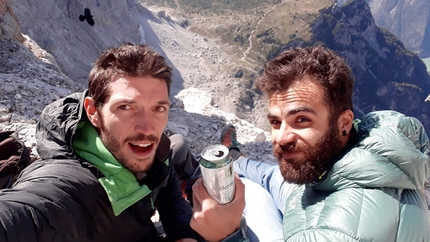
(305, 135)
(338, 179)
(106, 164)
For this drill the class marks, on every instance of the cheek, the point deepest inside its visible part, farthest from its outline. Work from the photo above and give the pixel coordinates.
(116, 126)
(274, 135)
(161, 124)
(312, 137)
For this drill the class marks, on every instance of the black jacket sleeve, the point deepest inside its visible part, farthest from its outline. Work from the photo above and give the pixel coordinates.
(41, 204)
(60, 201)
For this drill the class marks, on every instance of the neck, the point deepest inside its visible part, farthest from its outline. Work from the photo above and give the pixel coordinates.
(349, 140)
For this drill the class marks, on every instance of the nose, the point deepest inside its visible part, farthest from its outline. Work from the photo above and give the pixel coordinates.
(285, 135)
(144, 124)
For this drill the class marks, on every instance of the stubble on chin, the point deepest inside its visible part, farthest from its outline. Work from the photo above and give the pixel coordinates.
(295, 171)
(316, 160)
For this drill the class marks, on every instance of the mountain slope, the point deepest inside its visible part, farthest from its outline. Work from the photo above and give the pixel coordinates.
(223, 51)
(409, 20)
(31, 79)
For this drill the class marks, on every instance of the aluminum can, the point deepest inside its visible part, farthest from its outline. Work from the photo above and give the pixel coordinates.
(217, 171)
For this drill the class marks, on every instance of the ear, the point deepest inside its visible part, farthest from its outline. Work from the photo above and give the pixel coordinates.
(345, 121)
(91, 111)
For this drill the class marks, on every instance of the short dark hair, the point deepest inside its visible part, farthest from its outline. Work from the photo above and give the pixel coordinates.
(318, 64)
(125, 61)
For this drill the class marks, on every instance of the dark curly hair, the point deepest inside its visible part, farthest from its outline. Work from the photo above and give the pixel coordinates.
(315, 63)
(125, 61)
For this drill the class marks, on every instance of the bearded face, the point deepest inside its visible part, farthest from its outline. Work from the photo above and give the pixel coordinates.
(305, 131)
(316, 159)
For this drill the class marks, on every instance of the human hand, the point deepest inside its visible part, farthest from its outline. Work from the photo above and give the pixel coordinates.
(214, 221)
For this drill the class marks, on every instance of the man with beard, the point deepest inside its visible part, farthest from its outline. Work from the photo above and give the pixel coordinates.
(338, 179)
(106, 164)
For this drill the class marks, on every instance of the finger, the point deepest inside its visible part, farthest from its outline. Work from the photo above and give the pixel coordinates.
(199, 190)
(197, 205)
(239, 193)
(240, 188)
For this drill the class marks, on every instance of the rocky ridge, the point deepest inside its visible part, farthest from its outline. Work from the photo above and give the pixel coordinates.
(28, 86)
(387, 75)
(33, 76)
(408, 19)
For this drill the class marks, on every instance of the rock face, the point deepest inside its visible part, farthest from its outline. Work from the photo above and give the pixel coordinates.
(407, 19)
(56, 27)
(10, 28)
(378, 59)
(387, 75)
(31, 78)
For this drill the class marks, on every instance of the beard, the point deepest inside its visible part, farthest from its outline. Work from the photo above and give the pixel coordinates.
(114, 146)
(317, 158)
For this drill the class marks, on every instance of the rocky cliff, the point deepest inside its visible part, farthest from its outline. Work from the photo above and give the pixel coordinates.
(387, 75)
(31, 77)
(409, 20)
(10, 28)
(56, 27)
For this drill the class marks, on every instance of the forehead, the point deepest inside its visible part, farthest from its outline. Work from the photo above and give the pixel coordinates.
(135, 88)
(302, 95)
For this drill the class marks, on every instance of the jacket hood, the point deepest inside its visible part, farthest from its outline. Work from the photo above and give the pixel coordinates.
(57, 125)
(392, 151)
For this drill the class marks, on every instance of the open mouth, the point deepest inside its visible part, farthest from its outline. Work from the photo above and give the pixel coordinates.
(141, 149)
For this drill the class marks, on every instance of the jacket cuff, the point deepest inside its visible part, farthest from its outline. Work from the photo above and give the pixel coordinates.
(238, 236)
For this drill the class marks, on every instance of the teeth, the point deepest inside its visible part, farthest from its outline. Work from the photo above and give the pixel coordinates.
(143, 145)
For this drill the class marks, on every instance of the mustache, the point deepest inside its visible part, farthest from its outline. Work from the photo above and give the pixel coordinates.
(286, 148)
(142, 137)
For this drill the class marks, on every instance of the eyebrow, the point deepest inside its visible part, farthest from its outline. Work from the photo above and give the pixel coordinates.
(294, 111)
(164, 102)
(131, 101)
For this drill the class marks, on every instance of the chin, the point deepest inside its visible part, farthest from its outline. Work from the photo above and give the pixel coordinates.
(305, 174)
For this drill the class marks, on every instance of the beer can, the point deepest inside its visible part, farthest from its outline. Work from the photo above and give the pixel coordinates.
(217, 171)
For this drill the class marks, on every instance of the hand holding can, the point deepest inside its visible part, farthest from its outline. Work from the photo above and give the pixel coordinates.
(217, 173)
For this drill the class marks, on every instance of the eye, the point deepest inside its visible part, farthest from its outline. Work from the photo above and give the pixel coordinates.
(160, 109)
(302, 120)
(124, 107)
(274, 123)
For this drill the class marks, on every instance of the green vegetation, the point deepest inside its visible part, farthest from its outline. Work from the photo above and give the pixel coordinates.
(337, 28)
(393, 41)
(265, 33)
(239, 38)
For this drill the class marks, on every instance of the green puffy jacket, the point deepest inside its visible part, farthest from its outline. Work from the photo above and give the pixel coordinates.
(372, 191)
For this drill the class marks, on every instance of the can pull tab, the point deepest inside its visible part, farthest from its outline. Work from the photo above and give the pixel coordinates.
(217, 153)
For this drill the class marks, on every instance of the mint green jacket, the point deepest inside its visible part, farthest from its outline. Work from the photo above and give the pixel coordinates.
(372, 192)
